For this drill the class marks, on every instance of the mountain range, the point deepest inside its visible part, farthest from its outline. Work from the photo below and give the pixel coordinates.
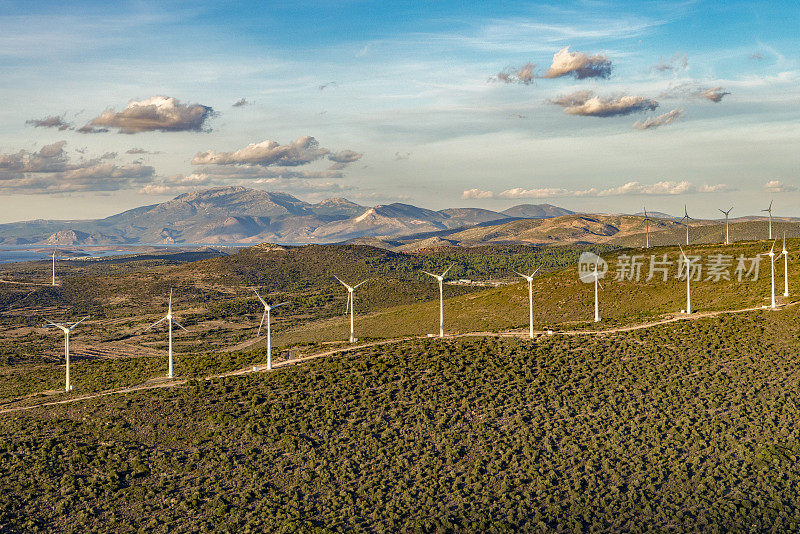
(242, 215)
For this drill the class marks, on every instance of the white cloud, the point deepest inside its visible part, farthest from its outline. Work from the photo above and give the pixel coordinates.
(476, 193)
(630, 188)
(578, 65)
(299, 152)
(586, 103)
(776, 186)
(157, 113)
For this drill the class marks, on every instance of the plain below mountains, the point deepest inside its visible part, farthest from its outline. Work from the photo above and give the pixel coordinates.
(243, 215)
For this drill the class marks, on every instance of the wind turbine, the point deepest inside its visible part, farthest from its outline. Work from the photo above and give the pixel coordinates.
(66, 328)
(771, 255)
(686, 218)
(688, 264)
(530, 295)
(350, 305)
(647, 226)
(169, 320)
(785, 254)
(267, 309)
(727, 235)
(440, 278)
(769, 209)
(54, 268)
(596, 297)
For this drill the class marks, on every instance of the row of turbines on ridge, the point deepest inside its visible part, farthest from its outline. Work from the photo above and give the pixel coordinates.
(67, 328)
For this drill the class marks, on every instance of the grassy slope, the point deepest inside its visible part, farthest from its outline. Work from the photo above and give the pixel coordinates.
(684, 428)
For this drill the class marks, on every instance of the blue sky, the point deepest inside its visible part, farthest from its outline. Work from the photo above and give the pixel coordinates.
(654, 103)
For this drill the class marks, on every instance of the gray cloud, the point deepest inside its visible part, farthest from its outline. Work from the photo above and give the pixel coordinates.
(401, 155)
(302, 151)
(241, 103)
(676, 62)
(345, 156)
(757, 56)
(523, 74)
(578, 65)
(49, 170)
(586, 103)
(714, 94)
(158, 113)
(326, 85)
(51, 121)
(137, 150)
(88, 129)
(695, 90)
(662, 120)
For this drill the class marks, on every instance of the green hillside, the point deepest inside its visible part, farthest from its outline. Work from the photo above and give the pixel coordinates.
(685, 427)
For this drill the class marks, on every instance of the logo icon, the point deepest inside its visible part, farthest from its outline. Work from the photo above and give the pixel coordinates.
(588, 263)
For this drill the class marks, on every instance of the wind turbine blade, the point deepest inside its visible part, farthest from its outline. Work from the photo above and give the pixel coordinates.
(773, 246)
(445, 271)
(51, 323)
(683, 254)
(154, 324)
(534, 272)
(520, 274)
(259, 296)
(770, 205)
(281, 304)
(263, 316)
(170, 298)
(340, 281)
(179, 324)
(364, 282)
(431, 274)
(79, 322)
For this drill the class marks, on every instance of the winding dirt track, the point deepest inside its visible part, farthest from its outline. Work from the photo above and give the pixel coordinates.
(166, 383)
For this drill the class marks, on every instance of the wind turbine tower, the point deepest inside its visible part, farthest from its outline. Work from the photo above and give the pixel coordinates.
(769, 210)
(529, 278)
(170, 320)
(596, 297)
(66, 328)
(54, 268)
(647, 229)
(727, 235)
(266, 315)
(785, 254)
(688, 264)
(350, 303)
(440, 278)
(771, 255)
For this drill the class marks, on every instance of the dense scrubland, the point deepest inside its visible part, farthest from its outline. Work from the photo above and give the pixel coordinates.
(687, 426)
(684, 427)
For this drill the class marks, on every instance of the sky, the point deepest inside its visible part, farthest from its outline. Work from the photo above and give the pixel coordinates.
(593, 106)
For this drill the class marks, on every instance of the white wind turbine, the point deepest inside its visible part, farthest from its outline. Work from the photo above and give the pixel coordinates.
(771, 255)
(529, 278)
(727, 235)
(769, 210)
(440, 278)
(686, 220)
(66, 328)
(267, 310)
(597, 285)
(169, 320)
(647, 229)
(785, 255)
(350, 303)
(688, 264)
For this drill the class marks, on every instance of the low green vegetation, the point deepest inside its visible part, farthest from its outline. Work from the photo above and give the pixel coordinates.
(684, 427)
